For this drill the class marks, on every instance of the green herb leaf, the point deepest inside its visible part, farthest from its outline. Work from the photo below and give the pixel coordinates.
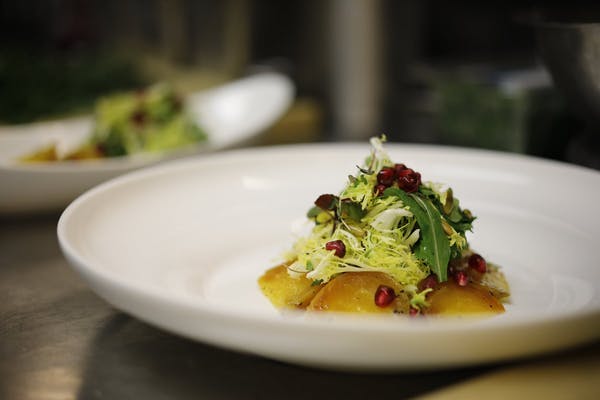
(426, 191)
(351, 210)
(455, 214)
(365, 171)
(433, 247)
(313, 212)
(459, 220)
(461, 227)
(309, 265)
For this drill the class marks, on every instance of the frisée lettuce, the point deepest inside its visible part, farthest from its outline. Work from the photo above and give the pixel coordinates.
(386, 220)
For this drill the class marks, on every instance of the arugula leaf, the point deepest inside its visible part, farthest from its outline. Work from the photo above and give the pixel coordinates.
(433, 247)
(427, 191)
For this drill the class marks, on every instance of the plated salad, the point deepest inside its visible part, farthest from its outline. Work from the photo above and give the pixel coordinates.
(148, 120)
(389, 242)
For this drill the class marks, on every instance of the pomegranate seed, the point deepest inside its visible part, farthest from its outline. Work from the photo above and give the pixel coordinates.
(386, 176)
(379, 189)
(384, 295)
(413, 312)
(451, 268)
(461, 278)
(409, 180)
(177, 103)
(399, 168)
(325, 201)
(338, 246)
(428, 283)
(138, 117)
(100, 148)
(477, 263)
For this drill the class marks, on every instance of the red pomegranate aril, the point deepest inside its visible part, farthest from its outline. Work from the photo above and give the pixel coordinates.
(177, 103)
(379, 189)
(384, 295)
(451, 268)
(428, 283)
(409, 180)
(100, 148)
(404, 172)
(477, 263)
(386, 176)
(138, 117)
(338, 246)
(398, 168)
(461, 278)
(413, 312)
(325, 201)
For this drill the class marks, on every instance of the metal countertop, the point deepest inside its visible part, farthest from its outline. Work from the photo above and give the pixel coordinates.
(58, 340)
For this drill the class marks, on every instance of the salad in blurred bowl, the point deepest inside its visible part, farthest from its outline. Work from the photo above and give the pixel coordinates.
(46, 165)
(153, 119)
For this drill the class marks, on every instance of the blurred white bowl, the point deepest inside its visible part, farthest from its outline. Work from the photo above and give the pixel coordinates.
(232, 115)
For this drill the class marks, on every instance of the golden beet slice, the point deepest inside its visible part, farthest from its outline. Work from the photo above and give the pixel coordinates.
(355, 292)
(44, 154)
(451, 299)
(86, 152)
(284, 290)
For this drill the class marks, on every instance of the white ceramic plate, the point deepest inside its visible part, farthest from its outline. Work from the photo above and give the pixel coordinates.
(233, 114)
(182, 245)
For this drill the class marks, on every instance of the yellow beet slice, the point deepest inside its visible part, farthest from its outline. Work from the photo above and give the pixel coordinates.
(44, 154)
(355, 292)
(284, 290)
(451, 299)
(85, 152)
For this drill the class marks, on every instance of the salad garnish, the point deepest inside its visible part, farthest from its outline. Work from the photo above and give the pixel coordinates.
(387, 221)
(389, 241)
(149, 120)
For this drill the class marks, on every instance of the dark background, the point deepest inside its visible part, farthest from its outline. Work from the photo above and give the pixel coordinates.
(419, 71)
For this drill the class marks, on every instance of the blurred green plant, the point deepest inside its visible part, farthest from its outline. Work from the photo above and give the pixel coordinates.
(36, 85)
(480, 115)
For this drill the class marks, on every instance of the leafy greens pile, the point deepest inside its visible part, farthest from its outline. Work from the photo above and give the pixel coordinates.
(407, 234)
(149, 120)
